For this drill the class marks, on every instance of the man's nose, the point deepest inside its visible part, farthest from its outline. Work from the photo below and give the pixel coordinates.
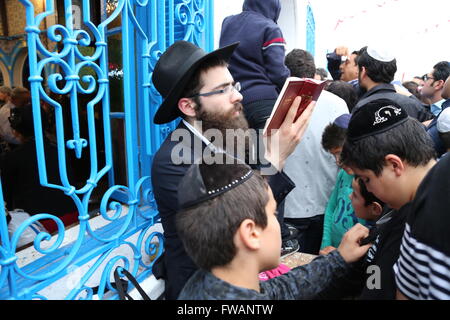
(236, 96)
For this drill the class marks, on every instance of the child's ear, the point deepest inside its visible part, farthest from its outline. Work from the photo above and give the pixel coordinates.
(376, 209)
(249, 234)
(396, 164)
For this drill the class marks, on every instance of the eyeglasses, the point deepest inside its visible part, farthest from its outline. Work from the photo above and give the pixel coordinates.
(426, 77)
(227, 89)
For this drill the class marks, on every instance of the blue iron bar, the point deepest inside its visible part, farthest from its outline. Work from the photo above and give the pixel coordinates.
(130, 115)
(113, 31)
(117, 115)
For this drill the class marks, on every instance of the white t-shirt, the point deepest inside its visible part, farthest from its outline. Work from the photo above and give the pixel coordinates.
(312, 169)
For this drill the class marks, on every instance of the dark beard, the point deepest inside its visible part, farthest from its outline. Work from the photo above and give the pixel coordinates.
(236, 136)
(362, 90)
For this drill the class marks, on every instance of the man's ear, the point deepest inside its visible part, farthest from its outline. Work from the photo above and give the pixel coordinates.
(249, 234)
(439, 85)
(187, 106)
(362, 72)
(395, 163)
(375, 209)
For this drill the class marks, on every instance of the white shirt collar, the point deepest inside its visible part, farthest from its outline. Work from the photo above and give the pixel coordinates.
(198, 134)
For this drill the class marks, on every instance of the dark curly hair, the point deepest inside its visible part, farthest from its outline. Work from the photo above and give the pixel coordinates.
(21, 120)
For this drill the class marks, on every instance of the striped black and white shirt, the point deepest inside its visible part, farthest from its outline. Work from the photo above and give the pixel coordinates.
(423, 268)
(422, 272)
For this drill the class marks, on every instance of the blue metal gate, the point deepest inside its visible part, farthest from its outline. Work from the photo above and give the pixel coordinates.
(104, 71)
(310, 31)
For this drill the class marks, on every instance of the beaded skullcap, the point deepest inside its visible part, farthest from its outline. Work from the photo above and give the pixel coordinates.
(192, 189)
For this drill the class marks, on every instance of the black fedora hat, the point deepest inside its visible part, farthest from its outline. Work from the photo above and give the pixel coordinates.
(174, 69)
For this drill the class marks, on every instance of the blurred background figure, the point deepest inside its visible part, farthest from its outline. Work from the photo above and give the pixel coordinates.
(345, 91)
(321, 74)
(19, 171)
(5, 95)
(19, 98)
(413, 87)
(343, 66)
(434, 86)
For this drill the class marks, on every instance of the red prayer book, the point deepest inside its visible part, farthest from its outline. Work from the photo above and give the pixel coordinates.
(308, 89)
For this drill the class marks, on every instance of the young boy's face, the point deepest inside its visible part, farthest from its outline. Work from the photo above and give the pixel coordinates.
(385, 187)
(359, 203)
(336, 152)
(271, 236)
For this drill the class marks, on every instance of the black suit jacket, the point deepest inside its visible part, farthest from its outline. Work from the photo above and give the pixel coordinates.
(180, 149)
(411, 104)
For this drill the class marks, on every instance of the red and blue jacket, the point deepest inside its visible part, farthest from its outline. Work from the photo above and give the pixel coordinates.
(258, 61)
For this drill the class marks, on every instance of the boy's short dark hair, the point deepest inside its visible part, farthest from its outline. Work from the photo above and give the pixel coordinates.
(322, 73)
(207, 229)
(409, 141)
(20, 96)
(333, 137)
(21, 120)
(300, 63)
(368, 197)
(345, 91)
(445, 137)
(441, 71)
(378, 71)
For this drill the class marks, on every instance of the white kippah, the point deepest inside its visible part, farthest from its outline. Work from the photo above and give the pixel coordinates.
(443, 121)
(380, 54)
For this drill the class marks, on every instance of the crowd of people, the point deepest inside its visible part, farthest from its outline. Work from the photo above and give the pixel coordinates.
(24, 192)
(360, 179)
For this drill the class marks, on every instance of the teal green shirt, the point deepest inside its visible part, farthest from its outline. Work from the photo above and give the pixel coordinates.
(339, 213)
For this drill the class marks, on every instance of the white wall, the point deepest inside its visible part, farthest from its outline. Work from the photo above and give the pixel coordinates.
(416, 31)
(292, 22)
(223, 9)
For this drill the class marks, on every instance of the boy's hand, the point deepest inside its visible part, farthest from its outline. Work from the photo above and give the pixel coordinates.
(327, 250)
(350, 249)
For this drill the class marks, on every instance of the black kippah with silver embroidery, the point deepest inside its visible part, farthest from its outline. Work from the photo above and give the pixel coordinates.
(375, 117)
(192, 189)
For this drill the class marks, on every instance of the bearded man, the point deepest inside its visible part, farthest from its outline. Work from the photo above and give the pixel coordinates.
(198, 87)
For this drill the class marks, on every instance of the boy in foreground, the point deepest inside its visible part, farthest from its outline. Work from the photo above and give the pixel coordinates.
(229, 228)
(394, 157)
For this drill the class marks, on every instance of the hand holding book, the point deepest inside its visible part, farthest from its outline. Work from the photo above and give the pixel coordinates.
(283, 141)
(308, 89)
